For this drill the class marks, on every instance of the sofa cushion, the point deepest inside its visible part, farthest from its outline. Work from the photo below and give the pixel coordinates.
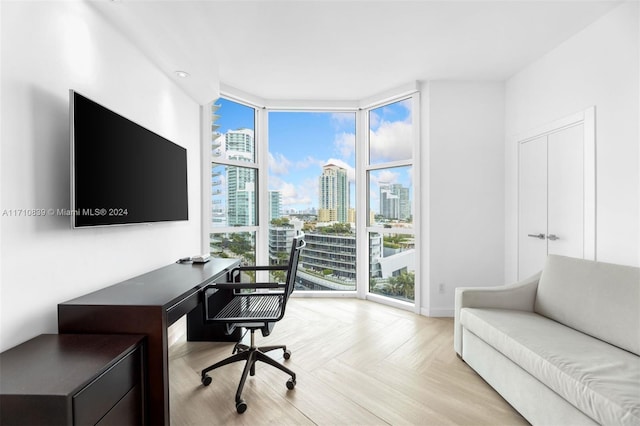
(599, 379)
(600, 299)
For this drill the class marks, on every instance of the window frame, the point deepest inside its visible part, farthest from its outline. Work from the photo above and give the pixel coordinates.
(208, 160)
(363, 142)
(363, 168)
(318, 107)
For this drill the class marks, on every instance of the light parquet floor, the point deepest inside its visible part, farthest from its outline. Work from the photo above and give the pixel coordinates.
(357, 363)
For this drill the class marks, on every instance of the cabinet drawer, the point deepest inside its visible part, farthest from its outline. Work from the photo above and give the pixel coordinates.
(99, 396)
(127, 412)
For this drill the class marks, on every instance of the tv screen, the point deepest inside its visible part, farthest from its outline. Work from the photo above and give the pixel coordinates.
(122, 173)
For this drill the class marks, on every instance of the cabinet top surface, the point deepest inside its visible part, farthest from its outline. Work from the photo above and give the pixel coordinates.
(161, 287)
(60, 364)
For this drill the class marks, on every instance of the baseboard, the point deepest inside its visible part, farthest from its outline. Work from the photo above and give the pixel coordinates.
(437, 312)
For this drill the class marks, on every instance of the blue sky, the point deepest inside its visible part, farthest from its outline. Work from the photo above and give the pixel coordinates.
(300, 143)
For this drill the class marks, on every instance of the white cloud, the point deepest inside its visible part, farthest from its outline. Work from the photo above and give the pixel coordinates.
(279, 164)
(386, 176)
(345, 144)
(391, 141)
(374, 119)
(294, 195)
(343, 119)
(308, 162)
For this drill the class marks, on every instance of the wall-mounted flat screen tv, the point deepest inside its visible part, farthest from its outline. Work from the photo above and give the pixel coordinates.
(121, 172)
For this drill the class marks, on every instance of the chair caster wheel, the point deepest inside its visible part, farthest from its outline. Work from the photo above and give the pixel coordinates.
(291, 384)
(206, 380)
(287, 354)
(241, 407)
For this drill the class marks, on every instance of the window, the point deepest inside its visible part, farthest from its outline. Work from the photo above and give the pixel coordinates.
(391, 206)
(346, 179)
(312, 188)
(233, 193)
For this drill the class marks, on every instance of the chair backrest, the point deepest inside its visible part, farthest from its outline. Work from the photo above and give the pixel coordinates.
(294, 256)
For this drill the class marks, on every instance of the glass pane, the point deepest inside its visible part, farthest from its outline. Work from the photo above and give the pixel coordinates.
(312, 188)
(236, 245)
(391, 133)
(328, 262)
(281, 233)
(392, 265)
(232, 131)
(233, 196)
(391, 197)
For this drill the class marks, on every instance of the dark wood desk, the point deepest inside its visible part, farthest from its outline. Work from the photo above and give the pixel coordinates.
(147, 304)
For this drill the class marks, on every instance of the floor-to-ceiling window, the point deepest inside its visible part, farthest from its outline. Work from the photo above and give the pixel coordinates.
(233, 193)
(308, 163)
(391, 201)
(312, 188)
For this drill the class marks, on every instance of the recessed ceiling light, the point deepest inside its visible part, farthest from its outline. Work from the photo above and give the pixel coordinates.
(182, 74)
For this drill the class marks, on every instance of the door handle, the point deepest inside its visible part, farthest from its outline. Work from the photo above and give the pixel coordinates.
(553, 237)
(539, 236)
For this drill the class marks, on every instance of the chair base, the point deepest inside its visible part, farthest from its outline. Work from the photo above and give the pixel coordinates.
(250, 354)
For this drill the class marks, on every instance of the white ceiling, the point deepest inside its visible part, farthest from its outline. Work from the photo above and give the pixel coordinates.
(344, 50)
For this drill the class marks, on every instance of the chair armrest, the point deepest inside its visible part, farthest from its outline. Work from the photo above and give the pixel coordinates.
(260, 268)
(242, 286)
(519, 296)
(235, 271)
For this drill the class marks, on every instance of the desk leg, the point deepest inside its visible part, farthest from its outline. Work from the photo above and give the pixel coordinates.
(148, 320)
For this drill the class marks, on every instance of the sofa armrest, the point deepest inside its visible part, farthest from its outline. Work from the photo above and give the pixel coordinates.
(519, 296)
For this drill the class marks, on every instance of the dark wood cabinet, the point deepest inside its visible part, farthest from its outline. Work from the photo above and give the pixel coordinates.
(74, 379)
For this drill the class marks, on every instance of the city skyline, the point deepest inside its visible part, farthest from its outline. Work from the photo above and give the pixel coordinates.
(302, 143)
(311, 167)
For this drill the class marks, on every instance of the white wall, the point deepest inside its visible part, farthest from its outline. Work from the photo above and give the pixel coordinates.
(465, 178)
(47, 49)
(598, 66)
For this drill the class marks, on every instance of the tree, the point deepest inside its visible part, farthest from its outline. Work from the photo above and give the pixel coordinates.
(283, 221)
(336, 228)
(403, 285)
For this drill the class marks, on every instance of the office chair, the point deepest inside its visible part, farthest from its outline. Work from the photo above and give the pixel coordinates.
(254, 311)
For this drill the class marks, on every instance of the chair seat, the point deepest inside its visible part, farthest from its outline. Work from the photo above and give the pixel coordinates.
(259, 307)
(254, 311)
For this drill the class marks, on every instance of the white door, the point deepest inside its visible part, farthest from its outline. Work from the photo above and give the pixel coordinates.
(565, 228)
(556, 195)
(532, 206)
(557, 192)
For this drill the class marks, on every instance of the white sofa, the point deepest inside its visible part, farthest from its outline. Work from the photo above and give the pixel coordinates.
(562, 347)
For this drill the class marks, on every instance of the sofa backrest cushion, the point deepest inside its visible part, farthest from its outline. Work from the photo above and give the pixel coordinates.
(596, 298)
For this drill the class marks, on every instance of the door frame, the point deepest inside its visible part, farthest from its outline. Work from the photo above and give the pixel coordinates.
(587, 118)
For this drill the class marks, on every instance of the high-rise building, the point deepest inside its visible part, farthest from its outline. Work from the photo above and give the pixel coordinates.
(394, 201)
(241, 193)
(275, 205)
(389, 202)
(240, 141)
(334, 194)
(404, 207)
(218, 202)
